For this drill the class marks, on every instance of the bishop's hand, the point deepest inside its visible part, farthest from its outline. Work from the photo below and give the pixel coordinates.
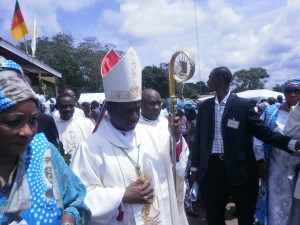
(138, 192)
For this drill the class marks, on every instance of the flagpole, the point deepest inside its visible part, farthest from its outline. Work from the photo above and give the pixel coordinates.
(26, 47)
(33, 40)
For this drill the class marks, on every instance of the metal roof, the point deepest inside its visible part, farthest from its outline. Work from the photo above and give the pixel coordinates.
(31, 66)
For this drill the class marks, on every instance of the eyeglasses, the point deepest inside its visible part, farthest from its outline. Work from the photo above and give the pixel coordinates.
(291, 91)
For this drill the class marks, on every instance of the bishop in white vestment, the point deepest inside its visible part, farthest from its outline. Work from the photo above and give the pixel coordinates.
(106, 171)
(125, 167)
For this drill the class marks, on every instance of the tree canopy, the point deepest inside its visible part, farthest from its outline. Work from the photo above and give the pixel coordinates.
(79, 63)
(251, 79)
(193, 90)
(278, 88)
(158, 78)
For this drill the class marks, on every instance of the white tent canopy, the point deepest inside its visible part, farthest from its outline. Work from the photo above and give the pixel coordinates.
(89, 97)
(259, 94)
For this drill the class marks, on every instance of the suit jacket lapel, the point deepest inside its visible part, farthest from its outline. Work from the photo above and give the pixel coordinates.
(211, 111)
(229, 104)
(211, 121)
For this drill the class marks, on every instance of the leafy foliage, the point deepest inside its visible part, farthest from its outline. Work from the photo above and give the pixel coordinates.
(89, 55)
(79, 63)
(191, 90)
(251, 79)
(156, 78)
(278, 88)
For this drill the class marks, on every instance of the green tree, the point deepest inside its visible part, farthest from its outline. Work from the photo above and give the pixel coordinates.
(79, 64)
(89, 54)
(58, 53)
(203, 88)
(156, 78)
(193, 90)
(277, 88)
(251, 79)
(189, 91)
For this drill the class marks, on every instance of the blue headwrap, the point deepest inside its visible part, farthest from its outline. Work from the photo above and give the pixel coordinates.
(13, 88)
(190, 105)
(289, 82)
(180, 109)
(11, 65)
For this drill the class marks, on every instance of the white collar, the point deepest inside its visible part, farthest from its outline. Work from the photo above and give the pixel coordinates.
(224, 100)
(147, 120)
(128, 138)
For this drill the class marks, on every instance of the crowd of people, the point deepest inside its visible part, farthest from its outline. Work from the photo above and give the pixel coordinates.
(67, 163)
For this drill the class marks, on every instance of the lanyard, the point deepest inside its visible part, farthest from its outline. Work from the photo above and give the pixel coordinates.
(136, 164)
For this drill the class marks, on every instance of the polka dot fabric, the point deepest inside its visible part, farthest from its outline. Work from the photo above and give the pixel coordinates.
(5, 102)
(44, 210)
(10, 65)
(13, 87)
(52, 189)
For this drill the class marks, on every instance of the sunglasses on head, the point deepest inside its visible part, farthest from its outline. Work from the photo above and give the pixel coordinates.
(291, 91)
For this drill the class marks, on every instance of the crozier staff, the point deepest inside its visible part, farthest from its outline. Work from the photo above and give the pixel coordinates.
(127, 169)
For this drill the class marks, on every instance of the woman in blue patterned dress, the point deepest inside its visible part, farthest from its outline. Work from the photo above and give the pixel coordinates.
(36, 186)
(274, 205)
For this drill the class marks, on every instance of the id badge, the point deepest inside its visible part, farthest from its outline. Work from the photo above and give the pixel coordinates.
(233, 124)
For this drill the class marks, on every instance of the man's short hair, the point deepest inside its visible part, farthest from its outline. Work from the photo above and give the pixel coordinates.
(148, 91)
(62, 95)
(94, 103)
(223, 72)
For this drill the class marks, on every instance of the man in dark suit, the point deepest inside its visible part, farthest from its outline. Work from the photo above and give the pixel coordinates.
(223, 158)
(47, 126)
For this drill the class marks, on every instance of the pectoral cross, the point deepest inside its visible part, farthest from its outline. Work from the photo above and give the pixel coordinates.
(139, 173)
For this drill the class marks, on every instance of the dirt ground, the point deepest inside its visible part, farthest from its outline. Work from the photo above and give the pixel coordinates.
(201, 220)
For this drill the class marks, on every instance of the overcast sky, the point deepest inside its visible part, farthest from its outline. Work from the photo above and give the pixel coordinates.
(238, 34)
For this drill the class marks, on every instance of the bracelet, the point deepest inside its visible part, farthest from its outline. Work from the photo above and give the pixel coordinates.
(67, 223)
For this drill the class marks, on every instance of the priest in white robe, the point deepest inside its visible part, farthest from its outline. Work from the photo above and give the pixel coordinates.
(127, 173)
(157, 125)
(72, 129)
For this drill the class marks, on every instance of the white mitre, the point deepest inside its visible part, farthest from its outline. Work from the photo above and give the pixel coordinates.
(122, 78)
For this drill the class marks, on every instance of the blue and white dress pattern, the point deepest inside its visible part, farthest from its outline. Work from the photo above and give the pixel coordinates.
(275, 199)
(44, 189)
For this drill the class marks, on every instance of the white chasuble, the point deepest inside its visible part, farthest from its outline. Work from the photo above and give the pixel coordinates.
(72, 132)
(158, 132)
(106, 171)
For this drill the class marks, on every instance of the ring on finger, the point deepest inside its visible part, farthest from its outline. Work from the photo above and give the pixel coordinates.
(146, 198)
